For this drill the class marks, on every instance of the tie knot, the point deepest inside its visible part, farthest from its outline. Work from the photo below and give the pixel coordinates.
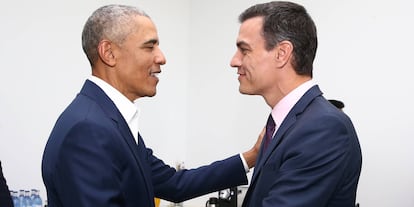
(270, 123)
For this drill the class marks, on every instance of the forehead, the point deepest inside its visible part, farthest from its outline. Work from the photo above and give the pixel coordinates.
(251, 31)
(144, 28)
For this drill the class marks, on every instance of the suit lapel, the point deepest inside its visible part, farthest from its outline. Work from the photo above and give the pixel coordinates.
(92, 91)
(290, 119)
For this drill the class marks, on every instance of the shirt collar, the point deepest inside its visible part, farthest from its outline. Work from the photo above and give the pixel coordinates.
(283, 107)
(127, 108)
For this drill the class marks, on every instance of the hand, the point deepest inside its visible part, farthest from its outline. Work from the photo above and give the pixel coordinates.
(251, 155)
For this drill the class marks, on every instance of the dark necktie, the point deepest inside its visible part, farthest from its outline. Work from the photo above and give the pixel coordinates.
(270, 129)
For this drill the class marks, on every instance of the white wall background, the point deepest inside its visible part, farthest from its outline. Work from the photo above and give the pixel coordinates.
(198, 116)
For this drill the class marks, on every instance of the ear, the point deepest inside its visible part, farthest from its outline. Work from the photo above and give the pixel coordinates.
(284, 51)
(105, 52)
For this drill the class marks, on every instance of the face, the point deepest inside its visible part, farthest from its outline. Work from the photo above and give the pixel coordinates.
(138, 61)
(255, 65)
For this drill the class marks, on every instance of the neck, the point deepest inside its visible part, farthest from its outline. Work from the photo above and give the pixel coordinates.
(284, 88)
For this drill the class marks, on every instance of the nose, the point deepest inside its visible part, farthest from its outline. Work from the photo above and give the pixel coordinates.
(235, 60)
(160, 58)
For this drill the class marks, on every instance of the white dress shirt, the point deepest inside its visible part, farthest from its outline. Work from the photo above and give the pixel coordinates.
(127, 108)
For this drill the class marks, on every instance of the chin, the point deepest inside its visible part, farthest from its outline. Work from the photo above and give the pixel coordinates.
(149, 94)
(242, 90)
(152, 94)
(246, 92)
(150, 91)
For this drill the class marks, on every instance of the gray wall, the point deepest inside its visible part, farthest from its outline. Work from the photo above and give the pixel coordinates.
(198, 115)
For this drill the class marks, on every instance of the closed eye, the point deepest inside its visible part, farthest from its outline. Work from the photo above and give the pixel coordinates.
(150, 44)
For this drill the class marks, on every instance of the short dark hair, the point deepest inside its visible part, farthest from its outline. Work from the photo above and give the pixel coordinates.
(287, 21)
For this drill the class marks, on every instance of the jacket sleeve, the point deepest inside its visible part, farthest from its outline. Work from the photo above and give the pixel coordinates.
(178, 186)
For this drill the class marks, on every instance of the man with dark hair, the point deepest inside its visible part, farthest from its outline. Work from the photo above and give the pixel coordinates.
(310, 154)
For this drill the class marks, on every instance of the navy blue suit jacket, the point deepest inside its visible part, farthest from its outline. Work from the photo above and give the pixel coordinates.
(91, 159)
(5, 198)
(314, 159)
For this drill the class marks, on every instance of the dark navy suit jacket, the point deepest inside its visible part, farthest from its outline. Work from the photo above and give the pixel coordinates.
(314, 159)
(91, 159)
(5, 198)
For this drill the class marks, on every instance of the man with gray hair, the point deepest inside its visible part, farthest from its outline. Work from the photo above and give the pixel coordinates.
(95, 156)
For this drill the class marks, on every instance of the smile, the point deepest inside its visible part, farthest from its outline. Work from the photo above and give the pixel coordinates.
(155, 74)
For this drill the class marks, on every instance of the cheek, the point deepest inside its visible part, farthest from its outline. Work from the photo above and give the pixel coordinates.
(260, 68)
(134, 76)
(140, 68)
(253, 70)
(257, 75)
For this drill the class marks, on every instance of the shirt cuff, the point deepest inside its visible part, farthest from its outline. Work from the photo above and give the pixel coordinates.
(246, 167)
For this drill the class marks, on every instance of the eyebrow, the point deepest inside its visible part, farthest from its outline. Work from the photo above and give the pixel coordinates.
(151, 41)
(242, 43)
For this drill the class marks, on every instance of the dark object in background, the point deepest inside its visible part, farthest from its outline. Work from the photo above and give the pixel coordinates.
(226, 198)
(337, 103)
(212, 202)
(5, 198)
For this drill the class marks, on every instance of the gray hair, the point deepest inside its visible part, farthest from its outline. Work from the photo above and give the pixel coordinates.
(112, 22)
